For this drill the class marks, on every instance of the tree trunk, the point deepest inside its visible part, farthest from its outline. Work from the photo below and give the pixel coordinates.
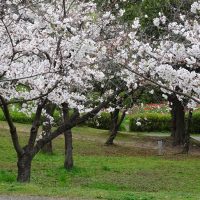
(112, 136)
(115, 124)
(173, 122)
(48, 148)
(179, 137)
(178, 120)
(68, 164)
(46, 128)
(24, 168)
(186, 146)
(113, 128)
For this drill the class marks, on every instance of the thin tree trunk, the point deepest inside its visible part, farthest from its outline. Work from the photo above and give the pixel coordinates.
(46, 128)
(113, 128)
(24, 168)
(173, 122)
(48, 148)
(115, 124)
(68, 163)
(113, 135)
(186, 146)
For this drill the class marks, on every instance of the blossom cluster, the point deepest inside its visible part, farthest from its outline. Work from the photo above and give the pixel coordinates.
(69, 52)
(52, 52)
(172, 60)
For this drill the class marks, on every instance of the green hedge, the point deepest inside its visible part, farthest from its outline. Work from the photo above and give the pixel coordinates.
(150, 122)
(103, 121)
(18, 117)
(195, 127)
(159, 122)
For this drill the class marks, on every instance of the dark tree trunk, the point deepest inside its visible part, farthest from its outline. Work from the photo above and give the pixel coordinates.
(24, 168)
(178, 120)
(68, 163)
(187, 133)
(115, 124)
(113, 134)
(113, 128)
(173, 122)
(48, 148)
(179, 137)
(46, 128)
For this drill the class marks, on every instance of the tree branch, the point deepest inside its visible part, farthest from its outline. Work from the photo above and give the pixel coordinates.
(121, 118)
(70, 124)
(36, 124)
(64, 9)
(27, 77)
(13, 130)
(162, 86)
(33, 99)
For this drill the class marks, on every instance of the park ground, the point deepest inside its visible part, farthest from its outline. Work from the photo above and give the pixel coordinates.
(129, 170)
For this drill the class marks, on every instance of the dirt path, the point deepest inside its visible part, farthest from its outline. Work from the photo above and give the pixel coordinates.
(197, 138)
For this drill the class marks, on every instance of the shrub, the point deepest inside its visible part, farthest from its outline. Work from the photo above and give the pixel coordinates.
(101, 121)
(160, 122)
(195, 126)
(150, 122)
(19, 117)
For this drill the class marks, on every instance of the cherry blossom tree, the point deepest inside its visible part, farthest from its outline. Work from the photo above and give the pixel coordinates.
(59, 51)
(119, 107)
(171, 60)
(50, 52)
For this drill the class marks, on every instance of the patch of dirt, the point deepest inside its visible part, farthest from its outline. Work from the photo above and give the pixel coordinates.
(136, 146)
(124, 145)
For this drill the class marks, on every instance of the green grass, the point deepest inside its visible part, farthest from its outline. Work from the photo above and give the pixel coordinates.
(101, 172)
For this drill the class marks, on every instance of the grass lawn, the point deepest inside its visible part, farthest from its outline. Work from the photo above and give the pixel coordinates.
(120, 172)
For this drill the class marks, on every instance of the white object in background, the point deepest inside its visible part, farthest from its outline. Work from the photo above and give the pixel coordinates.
(160, 148)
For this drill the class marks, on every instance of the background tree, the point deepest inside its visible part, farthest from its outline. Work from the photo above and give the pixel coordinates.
(172, 60)
(119, 108)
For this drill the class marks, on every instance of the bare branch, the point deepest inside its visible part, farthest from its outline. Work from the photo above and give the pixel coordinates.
(13, 130)
(36, 124)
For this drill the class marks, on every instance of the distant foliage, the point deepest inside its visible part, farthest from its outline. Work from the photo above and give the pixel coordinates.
(101, 121)
(19, 117)
(150, 122)
(159, 122)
